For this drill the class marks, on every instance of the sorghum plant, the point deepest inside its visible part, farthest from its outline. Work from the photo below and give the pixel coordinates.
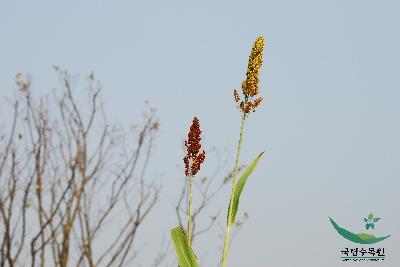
(193, 161)
(250, 90)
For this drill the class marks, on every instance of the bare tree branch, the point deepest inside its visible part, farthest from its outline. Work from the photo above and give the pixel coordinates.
(69, 173)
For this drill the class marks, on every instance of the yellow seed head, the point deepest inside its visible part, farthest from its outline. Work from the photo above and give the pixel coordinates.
(250, 86)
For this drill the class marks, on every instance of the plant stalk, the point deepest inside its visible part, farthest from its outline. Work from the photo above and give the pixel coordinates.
(228, 226)
(190, 210)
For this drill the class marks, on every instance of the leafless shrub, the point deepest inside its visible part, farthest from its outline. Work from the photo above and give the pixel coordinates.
(72, 187)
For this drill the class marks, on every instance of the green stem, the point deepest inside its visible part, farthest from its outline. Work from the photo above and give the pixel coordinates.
(228, 225)
(190, 210)
(226, 245)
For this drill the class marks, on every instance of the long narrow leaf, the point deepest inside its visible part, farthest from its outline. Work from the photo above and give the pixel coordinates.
(184, 252)
(239, 187)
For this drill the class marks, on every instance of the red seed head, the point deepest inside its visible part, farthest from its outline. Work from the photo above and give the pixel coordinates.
(193, 146)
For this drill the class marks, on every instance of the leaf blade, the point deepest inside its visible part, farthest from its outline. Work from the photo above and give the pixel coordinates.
(184, 252)
(239, 188)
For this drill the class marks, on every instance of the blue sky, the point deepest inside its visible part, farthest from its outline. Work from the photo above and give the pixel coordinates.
(329, 123)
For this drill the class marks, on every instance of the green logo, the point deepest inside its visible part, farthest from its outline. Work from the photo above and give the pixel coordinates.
(361, 238)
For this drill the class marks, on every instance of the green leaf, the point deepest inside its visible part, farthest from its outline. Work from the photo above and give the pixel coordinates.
(184, 252)
(239, 188)
(370, 217)
(365, 220)
(376, 219)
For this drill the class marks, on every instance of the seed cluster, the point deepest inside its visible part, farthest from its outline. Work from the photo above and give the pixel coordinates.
(193, 158)
(250, 86)
(23, 84)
